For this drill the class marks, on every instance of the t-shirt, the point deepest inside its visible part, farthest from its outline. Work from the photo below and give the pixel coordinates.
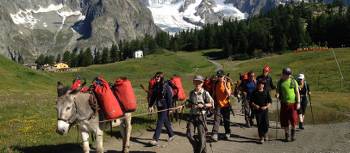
(261, 98)
(221, 98)
(287, 91)
(201, 96)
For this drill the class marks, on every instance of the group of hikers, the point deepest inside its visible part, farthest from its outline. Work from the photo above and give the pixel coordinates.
(212, 96)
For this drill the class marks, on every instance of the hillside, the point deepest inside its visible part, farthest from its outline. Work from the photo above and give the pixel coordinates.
(28, 117)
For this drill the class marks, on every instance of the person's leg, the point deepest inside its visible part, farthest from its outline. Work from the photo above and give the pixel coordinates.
(284, 120)
(160, 122)
(301, 111)
(258, 117)
(266, 124)
(202, 136)
(190, 133)
(167, 124)
(225, 112)
(293, 121)
(217, 120)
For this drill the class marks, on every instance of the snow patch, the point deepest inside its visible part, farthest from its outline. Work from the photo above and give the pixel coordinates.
(26, 17)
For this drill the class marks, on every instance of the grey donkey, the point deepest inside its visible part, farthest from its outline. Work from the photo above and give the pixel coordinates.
(74, 107)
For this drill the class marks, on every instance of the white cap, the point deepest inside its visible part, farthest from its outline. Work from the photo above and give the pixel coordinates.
(301, 77)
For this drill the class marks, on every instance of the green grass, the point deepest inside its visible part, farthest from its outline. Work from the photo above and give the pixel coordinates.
(28, 117)
(322, 74)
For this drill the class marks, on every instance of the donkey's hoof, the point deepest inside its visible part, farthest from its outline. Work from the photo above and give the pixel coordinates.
(126, 149)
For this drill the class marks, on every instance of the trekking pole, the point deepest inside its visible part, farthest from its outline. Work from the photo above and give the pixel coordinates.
(308, 98)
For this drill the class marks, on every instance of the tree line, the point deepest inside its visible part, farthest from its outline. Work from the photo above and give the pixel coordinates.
(283, 28)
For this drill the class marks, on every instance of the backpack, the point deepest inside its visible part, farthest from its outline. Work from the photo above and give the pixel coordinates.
(291, 85)
(151, 84)
(177, 89)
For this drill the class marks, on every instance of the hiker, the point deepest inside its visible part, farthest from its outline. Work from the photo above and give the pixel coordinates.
(288, 94)
(261, 101)
(161, 97)
(199, 101)
(267, 78)
(221, 95)
(248, 88)
(304, 91)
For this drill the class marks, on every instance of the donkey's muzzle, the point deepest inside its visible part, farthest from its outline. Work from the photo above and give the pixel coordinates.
(62, 127)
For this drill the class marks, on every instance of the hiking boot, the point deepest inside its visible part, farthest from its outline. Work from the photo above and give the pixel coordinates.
(251, 122)
(171, 138)
(215, 137)
(154, 143)
(286, 135)
(261, 141)
(227, 136)
(266, 137)
(301, 125)
(292, 131)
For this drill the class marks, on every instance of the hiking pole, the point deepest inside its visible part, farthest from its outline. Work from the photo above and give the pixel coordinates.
(308, 98)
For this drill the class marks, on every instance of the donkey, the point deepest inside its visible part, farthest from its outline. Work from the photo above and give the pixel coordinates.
(74, 107)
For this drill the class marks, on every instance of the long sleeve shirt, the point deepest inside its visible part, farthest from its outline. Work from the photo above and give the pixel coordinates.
(161, 96)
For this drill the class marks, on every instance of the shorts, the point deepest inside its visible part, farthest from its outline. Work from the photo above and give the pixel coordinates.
(303, 105)
(288, 115)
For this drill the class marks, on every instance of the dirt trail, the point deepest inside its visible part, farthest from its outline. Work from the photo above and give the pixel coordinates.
(315, 138)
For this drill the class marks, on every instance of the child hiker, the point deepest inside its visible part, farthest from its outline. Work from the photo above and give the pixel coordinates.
(199, 101)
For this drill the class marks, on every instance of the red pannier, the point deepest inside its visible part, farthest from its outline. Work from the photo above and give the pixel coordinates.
(125, 94)
(151, 83)
(107, 100)
(179, 91)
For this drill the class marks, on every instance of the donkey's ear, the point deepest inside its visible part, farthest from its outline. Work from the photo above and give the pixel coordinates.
(60, 89)
(73, 92)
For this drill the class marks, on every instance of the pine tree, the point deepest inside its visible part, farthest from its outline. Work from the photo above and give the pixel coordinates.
(105, 56)
(87, 58)
(66, 57)
(97, 57)
(113, 53)
(40, 60)
(58, 58)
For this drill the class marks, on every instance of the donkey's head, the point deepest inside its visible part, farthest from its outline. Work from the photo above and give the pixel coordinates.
(66, 106)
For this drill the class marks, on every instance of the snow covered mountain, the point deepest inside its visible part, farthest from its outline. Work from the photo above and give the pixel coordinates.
(177, 15)
(29, 28)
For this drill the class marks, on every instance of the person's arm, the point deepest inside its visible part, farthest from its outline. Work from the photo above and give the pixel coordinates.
(209, 101)
(169, 96)
(308, 89)
(297, 94)
(152, 98)
(227, 88)
(269, 101)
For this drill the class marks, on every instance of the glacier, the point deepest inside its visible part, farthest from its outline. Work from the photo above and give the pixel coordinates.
(177, 15)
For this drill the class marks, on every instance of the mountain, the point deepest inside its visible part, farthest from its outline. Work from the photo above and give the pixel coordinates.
(177, 15)
(29, 28)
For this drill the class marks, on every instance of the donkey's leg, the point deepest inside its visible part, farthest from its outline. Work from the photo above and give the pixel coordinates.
(85, 137)
(126, 132)
(99, 140)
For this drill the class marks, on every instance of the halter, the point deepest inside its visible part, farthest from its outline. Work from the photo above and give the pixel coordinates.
(73, 118)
